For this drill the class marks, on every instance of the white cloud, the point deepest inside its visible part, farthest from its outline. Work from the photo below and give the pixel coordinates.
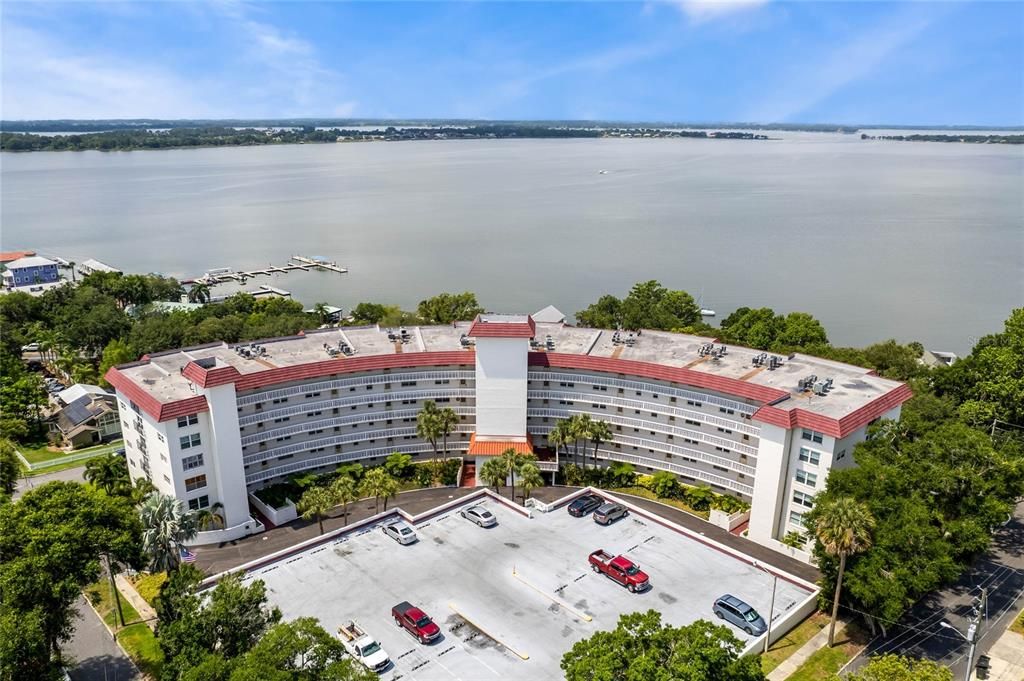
(813, 80)
(345, 109)
(700, 11)
(43, 79)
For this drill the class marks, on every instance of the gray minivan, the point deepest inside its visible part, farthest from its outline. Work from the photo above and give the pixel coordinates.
(740, 614)
(609, 513)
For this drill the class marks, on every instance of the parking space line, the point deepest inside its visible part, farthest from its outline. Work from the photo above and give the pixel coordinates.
(582, 615)
(494, 638)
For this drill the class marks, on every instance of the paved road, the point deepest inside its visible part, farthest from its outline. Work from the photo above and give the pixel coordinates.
(919, 633)
(68, 474)
(99, 658)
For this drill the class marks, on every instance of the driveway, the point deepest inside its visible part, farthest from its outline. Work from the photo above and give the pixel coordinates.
(96, 656)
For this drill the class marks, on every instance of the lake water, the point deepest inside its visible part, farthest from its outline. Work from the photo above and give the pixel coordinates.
(917, 241)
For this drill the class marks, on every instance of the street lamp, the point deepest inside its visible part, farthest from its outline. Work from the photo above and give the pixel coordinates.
(771, 608)
(970, 639)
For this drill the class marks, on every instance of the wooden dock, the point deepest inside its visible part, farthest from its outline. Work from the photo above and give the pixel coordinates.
(296, 262)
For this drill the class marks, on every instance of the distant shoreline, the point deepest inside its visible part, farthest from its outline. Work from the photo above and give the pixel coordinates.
(188, 138)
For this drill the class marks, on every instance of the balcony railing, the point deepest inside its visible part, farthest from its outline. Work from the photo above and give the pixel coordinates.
(563, 412)
(667, 448)
(358, 381)
(397, 396)
(348, 438)
(643, 405)
(628, 384)
(323, 424)
(340, 457)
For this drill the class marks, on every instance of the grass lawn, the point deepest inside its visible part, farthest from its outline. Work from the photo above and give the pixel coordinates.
(136, 638)
(39, 453)
(148, 585)
(648, 494)
(1018, 624)
(825, 663)
(141, 645)
(793, 641)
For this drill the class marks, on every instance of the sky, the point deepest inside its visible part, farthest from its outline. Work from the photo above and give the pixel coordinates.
(767, 61)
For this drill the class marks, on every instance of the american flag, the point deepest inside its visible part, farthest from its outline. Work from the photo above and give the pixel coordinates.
(187, 556)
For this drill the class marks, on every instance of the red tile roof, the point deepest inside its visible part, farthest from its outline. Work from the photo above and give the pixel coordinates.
(161, 411)
(8, 256)
(484, 328)
(498, 447)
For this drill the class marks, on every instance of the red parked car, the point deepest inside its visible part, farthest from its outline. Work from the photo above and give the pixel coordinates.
(620, 569)
(416, 622)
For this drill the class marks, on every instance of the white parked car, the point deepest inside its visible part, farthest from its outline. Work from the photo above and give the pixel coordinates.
(31, 347)
(400, 532)
(479, 515)
(363, 647)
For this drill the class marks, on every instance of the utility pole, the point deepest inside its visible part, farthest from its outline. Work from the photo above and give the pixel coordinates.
(771, 608)
(974, 631)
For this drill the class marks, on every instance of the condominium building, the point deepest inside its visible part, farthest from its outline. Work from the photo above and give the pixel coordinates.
(211, 424)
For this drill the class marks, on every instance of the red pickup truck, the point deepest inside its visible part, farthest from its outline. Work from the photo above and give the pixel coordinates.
(416, 622)
(620, 569)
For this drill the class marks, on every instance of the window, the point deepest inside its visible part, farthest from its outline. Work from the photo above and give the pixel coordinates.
(840, 455)
(805, 478)
(812, 436)
(796, 518)
(190, 462)
(199, 502)
(190, 420)
(809, 456)
(803, 499)
(692, 422)
(189, 441)
(280, 400)
(195, 483)
(694, 403)
(726, 411)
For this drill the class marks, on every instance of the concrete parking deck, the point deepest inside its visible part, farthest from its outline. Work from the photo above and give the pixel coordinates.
(457, 567)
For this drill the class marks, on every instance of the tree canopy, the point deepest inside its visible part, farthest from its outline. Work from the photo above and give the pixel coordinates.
(641, 648)
(446, 308)
(649, 305)
(898, 668)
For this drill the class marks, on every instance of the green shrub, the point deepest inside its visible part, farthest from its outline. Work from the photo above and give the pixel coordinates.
(664, 484)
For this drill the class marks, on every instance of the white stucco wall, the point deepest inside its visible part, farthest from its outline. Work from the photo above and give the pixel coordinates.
(501, 387)
(227, 482)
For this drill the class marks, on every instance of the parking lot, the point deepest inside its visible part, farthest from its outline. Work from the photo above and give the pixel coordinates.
(490, 618)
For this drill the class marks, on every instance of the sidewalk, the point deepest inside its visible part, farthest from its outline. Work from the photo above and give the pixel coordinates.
(793, 662)
(1006, 658)
(145, 610)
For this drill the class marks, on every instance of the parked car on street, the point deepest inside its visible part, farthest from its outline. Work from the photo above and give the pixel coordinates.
(479, 515)
(584, 505)
(620, 569)
(31, 347)
(363, 647)
(416, 622)
(739, 614)
(400, 532)
(609, 513)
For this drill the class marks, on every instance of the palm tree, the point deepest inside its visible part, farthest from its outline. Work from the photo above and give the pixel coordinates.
(428, 425)
(447, 419)
(600, 432)
(581, 424)
(71, 266)
(109, 473)
(345, 492)
(167, 525)
(529, 478)
(560, 436)
(494, 473)
(315, 503)
(510, 463)
(211, 518)
(199, 293)
(379, 485)
(320, 310)
(843, 526)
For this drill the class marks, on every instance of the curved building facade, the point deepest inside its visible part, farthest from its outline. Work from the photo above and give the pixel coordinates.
(212, 423)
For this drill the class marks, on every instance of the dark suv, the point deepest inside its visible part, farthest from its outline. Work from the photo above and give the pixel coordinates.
(740, 614)
(609, 513)
(584, 505)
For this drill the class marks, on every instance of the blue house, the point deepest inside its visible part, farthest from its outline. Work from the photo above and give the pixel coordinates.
(30, 271)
